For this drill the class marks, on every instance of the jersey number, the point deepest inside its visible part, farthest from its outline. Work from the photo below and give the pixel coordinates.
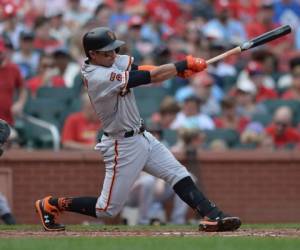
(114, 76)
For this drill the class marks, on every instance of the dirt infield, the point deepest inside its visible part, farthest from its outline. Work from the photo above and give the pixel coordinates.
(295, 233)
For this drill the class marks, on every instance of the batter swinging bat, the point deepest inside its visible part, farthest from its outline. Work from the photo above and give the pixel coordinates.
(259, 40)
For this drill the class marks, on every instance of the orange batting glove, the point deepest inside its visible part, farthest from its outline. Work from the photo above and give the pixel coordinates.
(196, 64)
(186, 74)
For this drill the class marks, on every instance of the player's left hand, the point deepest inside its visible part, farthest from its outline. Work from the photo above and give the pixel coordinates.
(196, 64)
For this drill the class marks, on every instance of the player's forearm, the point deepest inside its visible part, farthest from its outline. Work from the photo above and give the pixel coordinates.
(163, 73)
(167, 71)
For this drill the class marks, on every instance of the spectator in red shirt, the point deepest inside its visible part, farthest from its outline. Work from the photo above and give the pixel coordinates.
(168, 12)
(229, 118)
(254, 73)
(10, 81)
(47, 75)
(245, 11)
(294, 91)
(281, 129)
(265, 22)
(81, 128)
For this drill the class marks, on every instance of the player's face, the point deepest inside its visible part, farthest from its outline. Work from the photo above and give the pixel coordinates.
(103, 58)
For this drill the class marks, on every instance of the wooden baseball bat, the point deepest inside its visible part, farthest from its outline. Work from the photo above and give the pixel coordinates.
(259, 40)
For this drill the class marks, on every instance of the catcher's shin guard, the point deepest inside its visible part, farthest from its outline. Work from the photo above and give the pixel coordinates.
(48, 215)
(4, 134)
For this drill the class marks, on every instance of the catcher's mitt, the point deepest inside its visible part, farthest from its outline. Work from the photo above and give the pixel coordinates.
(4, 134)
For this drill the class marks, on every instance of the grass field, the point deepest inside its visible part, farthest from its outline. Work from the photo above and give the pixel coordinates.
(252, 237)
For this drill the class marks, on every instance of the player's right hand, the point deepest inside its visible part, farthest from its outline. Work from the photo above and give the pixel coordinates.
(196, 64)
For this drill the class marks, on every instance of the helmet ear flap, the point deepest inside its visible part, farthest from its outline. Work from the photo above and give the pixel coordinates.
(117, 50)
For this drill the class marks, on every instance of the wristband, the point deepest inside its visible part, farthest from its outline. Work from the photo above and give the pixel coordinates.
(181, 66)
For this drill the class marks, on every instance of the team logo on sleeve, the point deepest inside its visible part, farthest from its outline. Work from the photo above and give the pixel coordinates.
(114, 76)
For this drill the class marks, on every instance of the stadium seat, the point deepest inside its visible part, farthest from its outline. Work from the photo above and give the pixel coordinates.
(264, 119)
(149, 99)
(228, 82)
(62, 94)
(47, 109)
(230, 136)
(170, 136)
(152, 92)
(33, 136)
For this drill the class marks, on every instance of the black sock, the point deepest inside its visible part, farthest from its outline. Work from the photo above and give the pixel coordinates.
(190, 194)
(8, 219)
(81, 205)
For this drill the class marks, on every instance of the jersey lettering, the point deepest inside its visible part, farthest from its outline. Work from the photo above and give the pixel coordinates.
(112, 76)
(119, 77)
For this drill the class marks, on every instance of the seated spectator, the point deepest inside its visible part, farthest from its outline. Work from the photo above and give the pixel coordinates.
(285, 81)
(58, 28)
(80, 129)
(264, 22)
(229, 118)
(5, 211)
(218, 145)
(190, 117)
(222, 68)
(281, 130)
(245, 94)
(255, 75)
(47, 75)
(27, 58)
(67, 69)
(189, 141)
(43, 40)
(269, 65)
(224, 26)
(167, 112)
(11, 26)
(254, 136)
(293, 93)
(202, 86)
(287, 12)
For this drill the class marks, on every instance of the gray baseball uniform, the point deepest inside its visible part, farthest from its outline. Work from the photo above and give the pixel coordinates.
(124, 156)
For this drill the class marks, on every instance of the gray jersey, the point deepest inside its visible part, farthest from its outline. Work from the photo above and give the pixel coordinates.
(115, 107)
(124, 157)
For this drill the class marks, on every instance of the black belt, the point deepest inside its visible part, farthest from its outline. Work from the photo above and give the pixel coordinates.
(129, 133)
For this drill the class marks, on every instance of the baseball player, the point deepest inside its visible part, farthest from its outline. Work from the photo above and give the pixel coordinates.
(127, 148)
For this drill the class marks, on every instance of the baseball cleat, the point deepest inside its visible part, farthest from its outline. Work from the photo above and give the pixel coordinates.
(48, 215)
(220, 224)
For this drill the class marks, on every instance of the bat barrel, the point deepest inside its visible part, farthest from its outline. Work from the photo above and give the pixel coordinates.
(266, 37)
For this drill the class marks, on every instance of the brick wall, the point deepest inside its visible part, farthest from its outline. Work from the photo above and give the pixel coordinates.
(257, 186)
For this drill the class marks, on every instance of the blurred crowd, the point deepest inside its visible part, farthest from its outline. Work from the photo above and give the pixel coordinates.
(246, 101)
